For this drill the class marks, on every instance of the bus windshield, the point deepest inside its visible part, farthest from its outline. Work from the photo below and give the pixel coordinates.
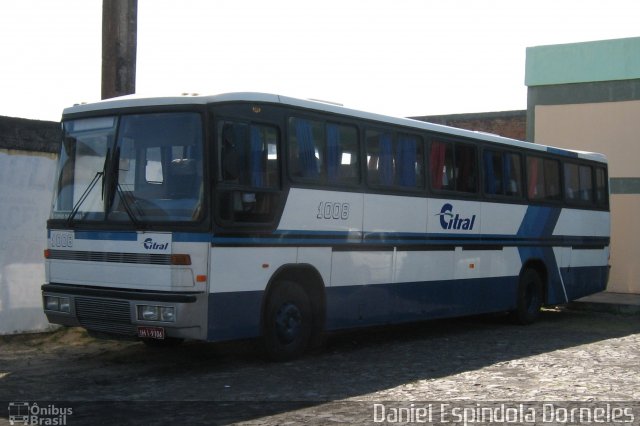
(131, 168)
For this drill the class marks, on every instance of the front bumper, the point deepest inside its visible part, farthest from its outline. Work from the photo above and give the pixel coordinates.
(114, 311)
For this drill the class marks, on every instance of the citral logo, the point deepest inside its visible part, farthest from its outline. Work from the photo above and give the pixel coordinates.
(149, 244)
(448, 220)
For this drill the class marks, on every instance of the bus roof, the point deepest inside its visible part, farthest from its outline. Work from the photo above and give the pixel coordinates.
(133, 101)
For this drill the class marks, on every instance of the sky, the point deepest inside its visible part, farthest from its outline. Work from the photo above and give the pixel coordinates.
(396, 57)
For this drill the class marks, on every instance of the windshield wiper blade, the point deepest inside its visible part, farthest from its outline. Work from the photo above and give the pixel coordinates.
(127, 206)
(104, 169)
(110, 181)
(83, 197)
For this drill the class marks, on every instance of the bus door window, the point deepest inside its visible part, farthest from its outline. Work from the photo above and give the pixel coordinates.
(248, 171)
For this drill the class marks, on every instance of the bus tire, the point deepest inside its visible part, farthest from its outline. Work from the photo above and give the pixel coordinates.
(288, 322)
(530, 298)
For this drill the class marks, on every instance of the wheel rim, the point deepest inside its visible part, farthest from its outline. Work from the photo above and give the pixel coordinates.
(288, 323)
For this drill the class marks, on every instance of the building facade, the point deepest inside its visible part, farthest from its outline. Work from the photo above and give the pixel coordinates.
(586, 96)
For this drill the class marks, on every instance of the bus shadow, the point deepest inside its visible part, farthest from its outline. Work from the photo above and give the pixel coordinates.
(354, 364)
(230, 382)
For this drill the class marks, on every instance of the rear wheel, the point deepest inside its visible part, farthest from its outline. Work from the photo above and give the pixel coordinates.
(288, 322)
(530, 298)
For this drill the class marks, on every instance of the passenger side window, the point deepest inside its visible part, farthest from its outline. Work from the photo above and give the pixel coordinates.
(502, 173)
(454, 167)
(578, 183)
(323, 152)
(543, 179)
(602, 197)
(394, 160)
(441, 166)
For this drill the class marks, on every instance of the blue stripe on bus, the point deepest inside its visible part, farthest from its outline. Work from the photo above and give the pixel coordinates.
(584, 280)
(106, 235)
(286, 232)
(191, 237)
(378, 304)
(234, 315)
(322, 238)
(133, 236)
(539, 222)
(555, 293)
(271, 241)
(553, 150)
(426, 240)
(362, 305)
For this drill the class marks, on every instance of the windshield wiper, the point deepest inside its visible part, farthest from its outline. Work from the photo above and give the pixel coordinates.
(127, 206)
(112, 186)
(110, 178)
(83, 197)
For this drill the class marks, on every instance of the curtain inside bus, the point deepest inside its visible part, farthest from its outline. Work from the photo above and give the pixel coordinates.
(385, 163)
(334, 154)
(490, 186)
(256, 164)
(306, 149)
(406, 155)
(438, 150)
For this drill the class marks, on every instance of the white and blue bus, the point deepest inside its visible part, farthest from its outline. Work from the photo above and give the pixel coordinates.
(250, 215)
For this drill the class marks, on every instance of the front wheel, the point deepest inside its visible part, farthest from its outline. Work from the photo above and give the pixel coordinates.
(288, 320)
(530, 298)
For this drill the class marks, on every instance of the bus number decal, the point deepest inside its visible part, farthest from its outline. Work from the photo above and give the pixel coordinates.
(331, 210)
(61, 239)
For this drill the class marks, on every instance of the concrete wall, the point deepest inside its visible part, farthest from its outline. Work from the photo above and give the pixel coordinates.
(26, 176)
(612, 128)
(29, 135)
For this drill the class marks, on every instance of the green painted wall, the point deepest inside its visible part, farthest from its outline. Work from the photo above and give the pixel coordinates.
(605, 60)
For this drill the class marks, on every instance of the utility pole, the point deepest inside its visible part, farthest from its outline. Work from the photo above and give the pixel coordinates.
(119, 40)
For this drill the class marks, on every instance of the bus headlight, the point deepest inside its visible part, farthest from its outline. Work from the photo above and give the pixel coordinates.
(57, 303)
(168, 314)
(148, 313)
(52, 303)
(65, 304)
(156, 313)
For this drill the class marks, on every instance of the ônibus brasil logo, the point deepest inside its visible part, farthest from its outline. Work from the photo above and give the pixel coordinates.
(448, 220)
(149, 244)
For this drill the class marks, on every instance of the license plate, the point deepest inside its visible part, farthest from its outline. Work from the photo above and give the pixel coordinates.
(151, 332)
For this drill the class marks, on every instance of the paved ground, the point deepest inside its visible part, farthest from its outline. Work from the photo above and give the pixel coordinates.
(568, 355)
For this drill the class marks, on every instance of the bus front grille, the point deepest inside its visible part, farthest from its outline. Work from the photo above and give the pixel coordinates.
(111, 257)
(107, 316)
